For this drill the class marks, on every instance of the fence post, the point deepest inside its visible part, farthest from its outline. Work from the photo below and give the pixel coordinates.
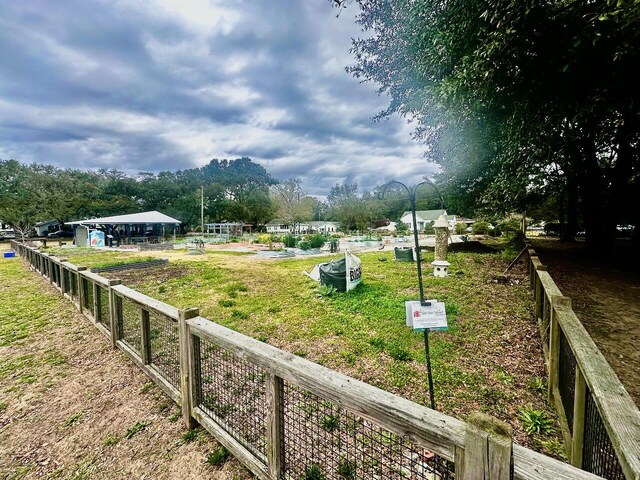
(114, 313)
(81, 292)
(274, 425)
(186, 363)
(145, 336)
(579, 406)
(554, 344)
(488, 448)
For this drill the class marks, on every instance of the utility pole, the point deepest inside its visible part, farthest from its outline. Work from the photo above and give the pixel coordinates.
(202, 210)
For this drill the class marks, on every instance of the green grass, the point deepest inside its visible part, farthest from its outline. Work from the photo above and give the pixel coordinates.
(361, 333)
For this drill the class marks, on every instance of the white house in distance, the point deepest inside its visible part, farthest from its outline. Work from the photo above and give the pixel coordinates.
(280, 226)
(426, 217)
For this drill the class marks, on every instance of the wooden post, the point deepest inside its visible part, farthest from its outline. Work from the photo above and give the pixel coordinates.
(186, 364)
(274, 425)
(62, 283)
(115, 313)
(145, 336)
(96, 302)
(81, 292)
(579, 405)
(488, 449)
(554, 345)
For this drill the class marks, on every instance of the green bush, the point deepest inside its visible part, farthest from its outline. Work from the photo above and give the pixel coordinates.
(264, 238)
(401, 228)
(461, 228)
(429, 230)
(480, 227)
(289, 240)
(304, 245)
(317, 240)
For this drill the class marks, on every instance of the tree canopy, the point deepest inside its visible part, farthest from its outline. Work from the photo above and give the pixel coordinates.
(234, 190)
(517, 101)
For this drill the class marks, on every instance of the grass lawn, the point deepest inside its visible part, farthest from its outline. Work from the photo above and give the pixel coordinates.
(71, 407)
(490, 359)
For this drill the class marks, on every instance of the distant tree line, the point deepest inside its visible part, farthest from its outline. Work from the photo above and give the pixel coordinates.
(234, 190)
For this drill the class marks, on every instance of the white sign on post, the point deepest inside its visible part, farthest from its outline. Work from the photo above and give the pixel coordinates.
(421, 317)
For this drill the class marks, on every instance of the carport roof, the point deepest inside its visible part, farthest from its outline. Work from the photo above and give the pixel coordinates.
(131, 219)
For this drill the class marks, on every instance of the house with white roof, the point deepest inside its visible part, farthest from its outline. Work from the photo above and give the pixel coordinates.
(426, 217)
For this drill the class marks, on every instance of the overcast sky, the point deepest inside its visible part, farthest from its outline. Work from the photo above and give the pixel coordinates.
(166, 85)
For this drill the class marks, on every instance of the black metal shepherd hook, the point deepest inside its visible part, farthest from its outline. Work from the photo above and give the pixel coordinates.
(412, 199)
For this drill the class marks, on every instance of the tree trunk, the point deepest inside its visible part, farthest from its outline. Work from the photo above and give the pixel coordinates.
(570, 226)
(599, 221)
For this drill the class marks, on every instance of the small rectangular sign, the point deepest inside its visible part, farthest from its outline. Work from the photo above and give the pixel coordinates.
(421, 318)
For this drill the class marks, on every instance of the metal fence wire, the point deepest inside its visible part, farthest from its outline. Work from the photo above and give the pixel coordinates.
(73, 277)
(103, 306)
(567, 378)
(129, 324)
(233, 392)
(65, 279)
(165, 347)
(87, 296)
(322, 440)
(598, 454)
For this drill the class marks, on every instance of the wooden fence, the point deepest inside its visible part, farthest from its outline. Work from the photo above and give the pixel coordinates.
(599, 420)
(282, 416)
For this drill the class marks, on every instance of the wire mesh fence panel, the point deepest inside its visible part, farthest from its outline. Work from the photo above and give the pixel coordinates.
(74, 285)
(65, 279)
(322, 440)
(103, 306)
(130, 329)
(87, 297)
(165, 347)
(566, 378)
(598, 454)
(233, 393)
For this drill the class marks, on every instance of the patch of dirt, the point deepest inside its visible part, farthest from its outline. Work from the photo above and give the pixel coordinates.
(71, 418)
(160, 274)
(606, 299)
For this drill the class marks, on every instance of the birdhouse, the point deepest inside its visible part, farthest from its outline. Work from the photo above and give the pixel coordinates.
(440, 268)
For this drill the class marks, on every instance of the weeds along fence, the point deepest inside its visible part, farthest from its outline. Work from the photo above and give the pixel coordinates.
(282, 416)
(599, 420)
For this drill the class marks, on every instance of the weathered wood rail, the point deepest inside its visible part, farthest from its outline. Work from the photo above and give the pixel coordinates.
(282, 416)
(599, 420)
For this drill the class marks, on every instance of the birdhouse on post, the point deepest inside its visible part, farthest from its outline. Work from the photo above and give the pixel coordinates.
(440, 265)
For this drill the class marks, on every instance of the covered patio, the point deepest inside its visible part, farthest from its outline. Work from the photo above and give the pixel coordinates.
(134, 228)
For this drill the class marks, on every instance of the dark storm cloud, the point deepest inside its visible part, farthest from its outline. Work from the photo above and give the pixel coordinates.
(163, 85)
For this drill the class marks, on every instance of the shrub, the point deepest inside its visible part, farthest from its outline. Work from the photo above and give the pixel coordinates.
(289, 240)
(480, 227)
(317, 240)
(461, 228)
(304, 245)
(429, 229)
(264, 238)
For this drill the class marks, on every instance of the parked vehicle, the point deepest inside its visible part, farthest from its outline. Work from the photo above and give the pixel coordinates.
(7, 234)
(61, 234)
